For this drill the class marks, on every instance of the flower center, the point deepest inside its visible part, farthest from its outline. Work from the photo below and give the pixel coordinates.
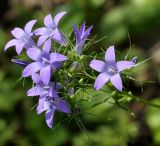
(45, 61)
(52, 103)
(25, 38)
(112, 70)
(46, 87)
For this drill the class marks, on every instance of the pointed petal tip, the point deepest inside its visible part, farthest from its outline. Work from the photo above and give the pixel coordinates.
(62, 13)
(11, 43)
(110, 48)
(32, 22)
(17, 32)
(110, 54)
(95, 88)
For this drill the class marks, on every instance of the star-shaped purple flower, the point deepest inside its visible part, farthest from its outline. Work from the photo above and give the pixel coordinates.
(81, 36)
(51, 30)
(23, 38)
(42, 90)
(110, 70)
(45, 61)
(50, 104)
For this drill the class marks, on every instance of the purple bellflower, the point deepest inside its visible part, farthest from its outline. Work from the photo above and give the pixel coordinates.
(110, 70)
(50, 104)
(135, 60)
(81, 36)
(42, 90)
(23, 38)
(51, 30)
(45, 62)
(20, 62)
(49, 100)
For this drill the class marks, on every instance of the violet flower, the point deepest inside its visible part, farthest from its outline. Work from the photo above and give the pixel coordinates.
(135, 60)
(45, 62)
(50, 104)
(42, 90)
(20, 62)
(51, 30)
(81, 36)
(110, 70)
(23, 38)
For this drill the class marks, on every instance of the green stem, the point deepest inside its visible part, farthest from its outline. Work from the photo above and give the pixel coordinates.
(141, 100)
(88, 75)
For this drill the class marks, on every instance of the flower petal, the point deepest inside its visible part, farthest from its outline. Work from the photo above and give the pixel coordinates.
(78, 48)
(30, 44)
(54, 57)
(41, 106)
(122, 65)
(11, 43)
(82, 29)
(97, 65)
(49, 117)
(76, 33)
(101, 80)
(35, 91)
(36, 78)
(20, 62)
(48, 21)
(87, 33)
(34, 53)
(41, 31)
(47, 46)
(59, 37)
(17, 32)
(63, 106)
(117, 82)
(42, 39)
(110, 54)
(19, 47)
(56, 65)
(28, 27)
(53, 93)
(45, 74)
(31, 69)
(134, 60)
(58, 17)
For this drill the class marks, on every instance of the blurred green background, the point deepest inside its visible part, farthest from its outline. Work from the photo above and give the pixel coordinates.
(125, 23)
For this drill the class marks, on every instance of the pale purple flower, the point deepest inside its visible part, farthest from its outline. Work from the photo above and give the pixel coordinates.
(42, 90)
(20, 62)
(44, 61)
(135, 60)
(50, 104)
(81, 36)
(23, 38)
(110, 70)
(51, 30)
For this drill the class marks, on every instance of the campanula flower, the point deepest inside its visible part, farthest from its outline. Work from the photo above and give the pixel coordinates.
(44, 61)
(110, 70)
(135, 60)
(20, 62)
(81, 36)
(23, 38)
(51, 30)
(50, 104)
(42, 90)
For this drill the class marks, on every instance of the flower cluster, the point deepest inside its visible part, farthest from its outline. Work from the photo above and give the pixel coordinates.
(58, 74)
